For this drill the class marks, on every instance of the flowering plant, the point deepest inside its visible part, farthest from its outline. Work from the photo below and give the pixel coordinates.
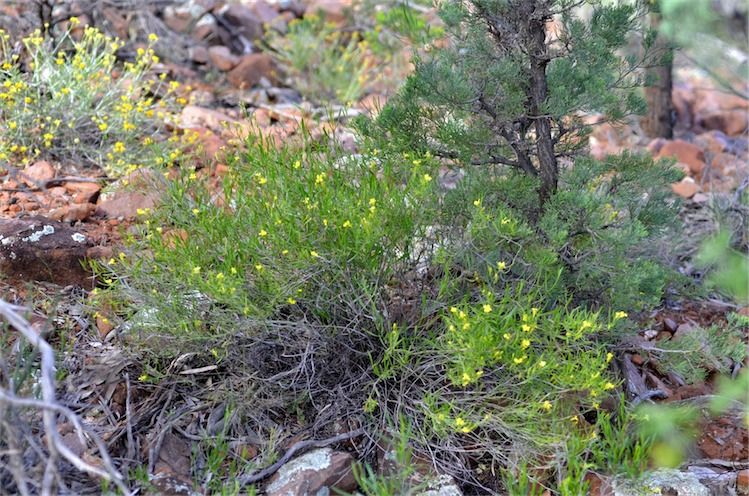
(69, 99)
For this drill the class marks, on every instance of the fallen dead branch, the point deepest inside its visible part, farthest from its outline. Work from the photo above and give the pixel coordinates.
(50, 408)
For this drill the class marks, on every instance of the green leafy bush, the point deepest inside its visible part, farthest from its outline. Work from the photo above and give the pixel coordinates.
(67, 103)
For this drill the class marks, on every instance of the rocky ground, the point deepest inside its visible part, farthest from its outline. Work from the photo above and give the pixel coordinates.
(55, 216)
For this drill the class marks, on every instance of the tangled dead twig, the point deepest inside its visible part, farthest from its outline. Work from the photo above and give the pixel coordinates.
(50, 408)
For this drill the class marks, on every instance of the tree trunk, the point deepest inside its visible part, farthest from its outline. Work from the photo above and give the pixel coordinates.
(658, 123)
(547, 160)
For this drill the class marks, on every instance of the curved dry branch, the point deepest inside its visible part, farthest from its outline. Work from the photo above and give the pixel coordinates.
(50, 408)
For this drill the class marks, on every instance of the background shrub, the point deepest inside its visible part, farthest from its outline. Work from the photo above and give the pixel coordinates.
(70, 100)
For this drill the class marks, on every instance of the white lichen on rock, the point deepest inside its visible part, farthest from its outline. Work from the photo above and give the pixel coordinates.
(37, 235)
(78, 237)
(317, 460)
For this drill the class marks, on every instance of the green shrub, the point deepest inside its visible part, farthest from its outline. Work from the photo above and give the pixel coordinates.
(303, 254)
(67, 104)
(293, 232)
(595, 235)
(325, 63)
(694, 353)
(503, 101)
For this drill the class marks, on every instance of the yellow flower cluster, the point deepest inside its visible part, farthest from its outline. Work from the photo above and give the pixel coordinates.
(86, 108)
(495, 333)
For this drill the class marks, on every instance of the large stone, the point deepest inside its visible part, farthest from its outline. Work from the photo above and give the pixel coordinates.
(684, 152)
(715, 109)
(666, 481)
(314, 473)
(40, 249)
(731, 122)
(250, 70)
(712, 141)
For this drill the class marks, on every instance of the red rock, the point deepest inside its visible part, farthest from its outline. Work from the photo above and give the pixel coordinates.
(104, 325)
(56, 191)
(39, 173)
(742, 482)
(222, 58)
(242, 17)
(731, 122)
(199, 118)
(595, 484)
(221, 170)
(714, 109)
(182, 18)
(670, 325)
(72, 213)
(119, 23)
(684, 152)
(331, 10)
(700, 198)
(686, 188)
(712, 141)
(199, 54)
(264, 11)
(83, 192)
(100, 252)
(655, 146)
(205, 29)
(250, 70)
(708, 100)
(40, 249)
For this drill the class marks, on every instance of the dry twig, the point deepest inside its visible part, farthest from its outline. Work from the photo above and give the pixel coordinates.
(50, 408)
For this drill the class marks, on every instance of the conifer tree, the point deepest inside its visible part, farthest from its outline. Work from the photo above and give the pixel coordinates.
(514, 80)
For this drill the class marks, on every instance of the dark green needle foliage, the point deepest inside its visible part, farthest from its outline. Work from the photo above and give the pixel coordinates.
(508, 98)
